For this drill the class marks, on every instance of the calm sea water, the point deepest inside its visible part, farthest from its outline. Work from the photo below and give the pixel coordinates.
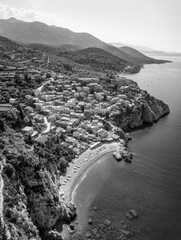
(152, 183)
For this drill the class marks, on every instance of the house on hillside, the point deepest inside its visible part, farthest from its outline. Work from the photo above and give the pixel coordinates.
(27, 130)
(4, 107)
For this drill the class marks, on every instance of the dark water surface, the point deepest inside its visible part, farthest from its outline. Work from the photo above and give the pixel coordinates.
(152, 183)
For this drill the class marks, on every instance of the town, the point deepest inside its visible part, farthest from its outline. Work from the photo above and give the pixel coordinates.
(78, 108)
(58, 118)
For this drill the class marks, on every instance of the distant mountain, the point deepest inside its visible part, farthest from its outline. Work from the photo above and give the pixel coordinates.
(139, 48)
(131, 55)
(140, 56)
(146, 50)
(40, 35)
(37, 32)
(161, 53)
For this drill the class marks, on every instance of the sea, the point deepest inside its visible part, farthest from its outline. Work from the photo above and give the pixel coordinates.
(152, 183)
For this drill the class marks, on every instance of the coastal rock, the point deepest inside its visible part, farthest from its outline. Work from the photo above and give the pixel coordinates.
(53, 235)
(72, 226)
(71, 231)
(120, 154)
(132, 214)
(122, 237)
(107, 222)
(147, 110)
(128, 157)
(88, 235)
(117, 155)
(126, 233)
(129, 215)
(125, 226)
(95, 208)
(94, 231)
(90, 221)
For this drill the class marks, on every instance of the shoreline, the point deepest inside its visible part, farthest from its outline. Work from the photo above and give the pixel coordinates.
(71, 180)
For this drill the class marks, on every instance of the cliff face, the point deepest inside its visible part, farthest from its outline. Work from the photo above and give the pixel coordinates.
(31, 191)
(146, 110)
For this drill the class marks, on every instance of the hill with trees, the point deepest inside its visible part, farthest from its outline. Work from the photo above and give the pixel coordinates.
(97, 58)
(63, 39)
(140, 56)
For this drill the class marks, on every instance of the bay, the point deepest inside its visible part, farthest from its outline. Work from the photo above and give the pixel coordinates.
(152, 183)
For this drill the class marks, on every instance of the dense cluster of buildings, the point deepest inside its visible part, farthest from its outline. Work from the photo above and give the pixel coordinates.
(76, 108)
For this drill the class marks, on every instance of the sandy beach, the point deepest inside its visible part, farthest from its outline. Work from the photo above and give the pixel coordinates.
(79, 166)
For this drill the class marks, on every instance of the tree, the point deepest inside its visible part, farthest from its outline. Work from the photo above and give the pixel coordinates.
(68, 67)
(82, 107)
(63, 137)
(63, 164)
(27, 78)
(116, 87)
(2, 126)
(9, 170)
(92, 91)
(107, 115)
(48, 75)
(105, 97)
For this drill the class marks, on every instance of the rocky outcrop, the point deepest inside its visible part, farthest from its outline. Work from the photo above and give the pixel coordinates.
(123, 155)
(145, 110)
(31, 191)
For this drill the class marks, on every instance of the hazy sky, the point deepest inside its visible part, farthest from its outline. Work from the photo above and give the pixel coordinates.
(152, 23)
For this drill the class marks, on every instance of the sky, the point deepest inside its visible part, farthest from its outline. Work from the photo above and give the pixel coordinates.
(152, 23)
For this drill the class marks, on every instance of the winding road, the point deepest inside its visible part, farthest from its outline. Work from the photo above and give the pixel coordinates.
(47, 124)
(1, 195)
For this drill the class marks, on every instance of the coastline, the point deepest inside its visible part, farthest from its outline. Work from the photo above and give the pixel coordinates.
(92, 156)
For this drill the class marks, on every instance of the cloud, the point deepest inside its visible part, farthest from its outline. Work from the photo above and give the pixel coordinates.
(7, 11)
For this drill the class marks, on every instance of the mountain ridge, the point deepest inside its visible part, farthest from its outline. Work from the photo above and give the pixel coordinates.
(52, 36)
(137, 47)
(138, 55)
(38, 32)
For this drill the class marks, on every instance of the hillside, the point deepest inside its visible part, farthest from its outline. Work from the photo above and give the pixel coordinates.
(117, 52)
(37, 32)
(53, 49)
(61, 38)
(139, 56)
(138, 48)
(97, 58)
(131, 55)
(7, 45)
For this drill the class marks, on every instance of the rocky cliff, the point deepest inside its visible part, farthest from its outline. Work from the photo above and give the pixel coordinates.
(146, 110)
(31, 191)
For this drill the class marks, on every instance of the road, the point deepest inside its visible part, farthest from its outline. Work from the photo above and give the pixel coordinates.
(47, 124)
(1, 194)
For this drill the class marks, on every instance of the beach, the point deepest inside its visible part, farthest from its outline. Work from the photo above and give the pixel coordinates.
(79, 166)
